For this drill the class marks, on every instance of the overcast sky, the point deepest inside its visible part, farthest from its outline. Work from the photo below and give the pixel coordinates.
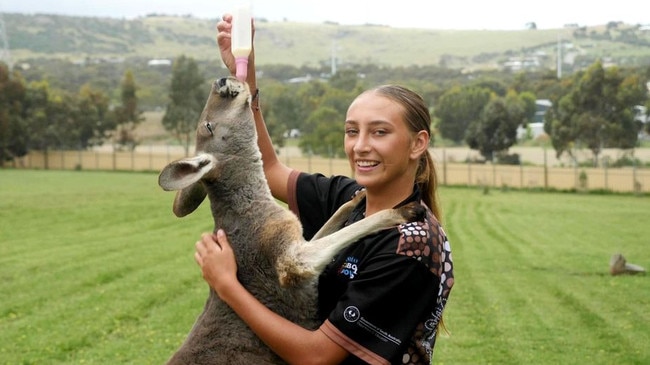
(434, 14)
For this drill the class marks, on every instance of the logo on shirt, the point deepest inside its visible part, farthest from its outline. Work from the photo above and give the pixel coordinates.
(351, 314)
(349, 267)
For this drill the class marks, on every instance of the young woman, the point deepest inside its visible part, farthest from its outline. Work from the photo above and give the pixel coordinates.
(381, 299)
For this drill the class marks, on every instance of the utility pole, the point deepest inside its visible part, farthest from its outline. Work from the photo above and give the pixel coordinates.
(333, 58)
(559, 57)
(5, 55)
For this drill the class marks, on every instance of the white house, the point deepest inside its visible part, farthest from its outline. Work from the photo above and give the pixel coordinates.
(537, 126)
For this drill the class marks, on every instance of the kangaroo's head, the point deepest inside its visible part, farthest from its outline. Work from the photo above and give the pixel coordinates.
(226, 124)
(226, 130)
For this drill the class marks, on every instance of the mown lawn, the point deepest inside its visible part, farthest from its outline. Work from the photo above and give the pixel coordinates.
(532, 283)
(95, 269)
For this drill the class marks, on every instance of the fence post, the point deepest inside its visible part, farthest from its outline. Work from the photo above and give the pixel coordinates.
(605, 164)
(309, 160)
(635, 185)
(575, 174)
(469, 172)
(444, 166)
(545, 170)
(331, 157)
(114, 158)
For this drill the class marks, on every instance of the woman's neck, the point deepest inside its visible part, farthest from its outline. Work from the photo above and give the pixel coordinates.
(377, 202)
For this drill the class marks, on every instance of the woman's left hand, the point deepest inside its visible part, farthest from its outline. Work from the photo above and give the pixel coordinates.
(217, 261)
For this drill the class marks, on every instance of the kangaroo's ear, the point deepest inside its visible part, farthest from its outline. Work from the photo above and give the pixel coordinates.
(185, 172)
(185, 175)
(188, 199)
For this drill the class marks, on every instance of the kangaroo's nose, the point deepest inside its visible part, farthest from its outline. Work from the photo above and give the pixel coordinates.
(222, 81)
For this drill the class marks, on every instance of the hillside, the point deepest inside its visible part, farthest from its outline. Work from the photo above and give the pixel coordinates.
(301, 44)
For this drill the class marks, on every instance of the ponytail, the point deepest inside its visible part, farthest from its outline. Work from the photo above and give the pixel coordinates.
(427, 180)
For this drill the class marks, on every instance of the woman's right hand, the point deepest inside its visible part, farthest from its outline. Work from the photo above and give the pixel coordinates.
(224, 28)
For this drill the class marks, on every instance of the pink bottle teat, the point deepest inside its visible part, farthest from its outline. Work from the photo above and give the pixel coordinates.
(242, 68)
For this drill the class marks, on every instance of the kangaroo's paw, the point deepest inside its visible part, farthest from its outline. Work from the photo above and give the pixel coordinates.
(358, 196)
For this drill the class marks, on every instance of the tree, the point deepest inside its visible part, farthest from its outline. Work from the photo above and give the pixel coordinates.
(45, 117)
(36, 100)
(496, 129)
(344, 80)
(458, 108)
(127, 115)
(13, 134)
(529, 104)
(186, 101)
(326, 137)
(62, 115)
(646, 74)
(498, 87)
(95, 120)
(647, 117)
(282, 111)
(531, 26)
(323, 131)
(59, 119)
(596, 112)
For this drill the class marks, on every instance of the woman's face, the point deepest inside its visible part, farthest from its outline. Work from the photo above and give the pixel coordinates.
(382, 151)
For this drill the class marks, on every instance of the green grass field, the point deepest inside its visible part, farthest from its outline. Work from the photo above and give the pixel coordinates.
(95, 269)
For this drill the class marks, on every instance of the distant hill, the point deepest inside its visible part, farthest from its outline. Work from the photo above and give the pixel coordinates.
(302, 44)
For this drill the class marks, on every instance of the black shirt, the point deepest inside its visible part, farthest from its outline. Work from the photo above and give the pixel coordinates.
(382, 297)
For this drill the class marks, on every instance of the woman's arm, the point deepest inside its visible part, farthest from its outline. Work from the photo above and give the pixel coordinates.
(293, 343)
(277, 173)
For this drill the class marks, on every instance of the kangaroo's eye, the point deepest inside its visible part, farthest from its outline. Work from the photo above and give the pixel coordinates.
(209, 127)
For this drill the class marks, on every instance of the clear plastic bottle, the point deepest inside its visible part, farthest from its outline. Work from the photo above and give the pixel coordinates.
(241, 41)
